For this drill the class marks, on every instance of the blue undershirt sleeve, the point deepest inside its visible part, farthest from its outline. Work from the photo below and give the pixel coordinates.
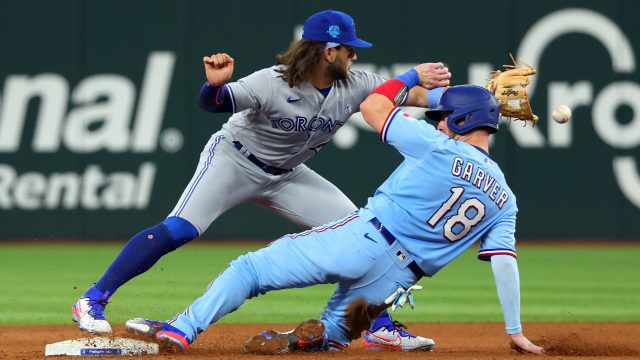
(505, 272)
(433, 97)
(215, 98)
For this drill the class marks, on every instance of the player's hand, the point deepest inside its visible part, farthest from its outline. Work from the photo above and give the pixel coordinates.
(218, 68)
(520, 343)
(433, 75)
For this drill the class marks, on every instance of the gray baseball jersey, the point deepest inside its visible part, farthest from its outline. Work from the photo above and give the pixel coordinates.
(285, 126)
(282, 127)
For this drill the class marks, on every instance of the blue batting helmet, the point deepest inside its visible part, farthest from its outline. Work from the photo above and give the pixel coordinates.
(469, 107)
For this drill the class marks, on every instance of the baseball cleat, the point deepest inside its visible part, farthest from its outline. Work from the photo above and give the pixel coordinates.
(88, 312)
(167, 336)
(309, 336)
(388, 335)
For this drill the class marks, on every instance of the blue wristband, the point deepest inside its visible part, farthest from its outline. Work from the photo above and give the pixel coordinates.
(410, 78)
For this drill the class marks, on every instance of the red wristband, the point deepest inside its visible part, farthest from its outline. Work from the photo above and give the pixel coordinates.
(395, 90)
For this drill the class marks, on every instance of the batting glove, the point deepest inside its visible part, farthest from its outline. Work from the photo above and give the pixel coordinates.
(400, 296)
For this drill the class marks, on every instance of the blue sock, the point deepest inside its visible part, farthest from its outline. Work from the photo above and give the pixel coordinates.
(181, 230)
(144, 250)
(383, 320)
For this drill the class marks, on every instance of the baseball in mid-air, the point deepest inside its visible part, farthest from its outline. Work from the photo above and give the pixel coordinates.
(561, 114)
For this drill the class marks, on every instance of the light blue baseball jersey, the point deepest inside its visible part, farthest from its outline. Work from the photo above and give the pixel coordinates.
(444, 196)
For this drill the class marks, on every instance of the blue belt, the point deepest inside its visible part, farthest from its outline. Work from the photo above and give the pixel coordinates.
(266, 168)
(413, 266)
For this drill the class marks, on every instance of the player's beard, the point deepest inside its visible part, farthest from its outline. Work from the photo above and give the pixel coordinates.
(338, 70)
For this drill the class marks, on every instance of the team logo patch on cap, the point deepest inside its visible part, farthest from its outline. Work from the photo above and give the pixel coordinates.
(334, 31)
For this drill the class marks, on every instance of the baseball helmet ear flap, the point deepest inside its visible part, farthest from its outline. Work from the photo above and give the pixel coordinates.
(469, 107)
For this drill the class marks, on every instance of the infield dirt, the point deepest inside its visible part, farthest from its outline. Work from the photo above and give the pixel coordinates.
(454, 341)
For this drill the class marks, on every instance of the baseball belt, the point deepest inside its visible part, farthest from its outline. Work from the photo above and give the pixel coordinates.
(266, 168)
(413, 266)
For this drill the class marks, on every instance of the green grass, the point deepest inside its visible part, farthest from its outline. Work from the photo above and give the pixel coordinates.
(38, 285)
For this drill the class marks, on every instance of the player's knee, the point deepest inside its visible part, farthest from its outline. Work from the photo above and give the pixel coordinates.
(245, 269)
(181, 230)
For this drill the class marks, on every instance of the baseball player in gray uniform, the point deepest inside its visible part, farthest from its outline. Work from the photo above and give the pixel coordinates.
(282, 116)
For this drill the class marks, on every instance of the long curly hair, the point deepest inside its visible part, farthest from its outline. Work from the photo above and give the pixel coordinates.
(299, 60)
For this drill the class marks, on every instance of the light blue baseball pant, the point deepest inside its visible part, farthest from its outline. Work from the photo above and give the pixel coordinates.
(349, 251)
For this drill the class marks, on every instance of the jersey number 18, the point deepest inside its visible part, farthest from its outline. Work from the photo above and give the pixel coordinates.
(458, 226)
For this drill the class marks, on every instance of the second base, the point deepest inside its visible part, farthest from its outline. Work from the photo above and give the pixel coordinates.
(101, 346)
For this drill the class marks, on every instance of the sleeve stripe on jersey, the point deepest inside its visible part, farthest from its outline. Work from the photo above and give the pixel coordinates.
(387, 123)
(233, 99)
(487, 254)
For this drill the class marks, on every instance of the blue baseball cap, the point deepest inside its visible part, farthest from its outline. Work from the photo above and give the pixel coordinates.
(333, 26)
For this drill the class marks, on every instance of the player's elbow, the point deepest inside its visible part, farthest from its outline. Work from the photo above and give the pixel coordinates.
(374, 109)
(367, 108)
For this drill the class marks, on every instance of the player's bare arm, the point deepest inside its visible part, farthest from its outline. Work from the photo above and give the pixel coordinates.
(393, 92)
(218, 68)
(378, 105)
(375, 109)
(432, 76)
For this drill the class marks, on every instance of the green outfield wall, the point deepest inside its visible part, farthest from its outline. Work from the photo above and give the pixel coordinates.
(100, 129)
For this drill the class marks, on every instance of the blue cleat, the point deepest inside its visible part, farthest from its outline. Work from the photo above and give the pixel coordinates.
(88, 312)
(386, 334)
(169, 337)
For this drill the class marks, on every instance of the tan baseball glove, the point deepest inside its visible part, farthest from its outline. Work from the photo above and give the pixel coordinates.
(509, 87)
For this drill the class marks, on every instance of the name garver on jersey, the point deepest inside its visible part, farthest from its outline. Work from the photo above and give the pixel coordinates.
(301, 123)
(468, 171)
